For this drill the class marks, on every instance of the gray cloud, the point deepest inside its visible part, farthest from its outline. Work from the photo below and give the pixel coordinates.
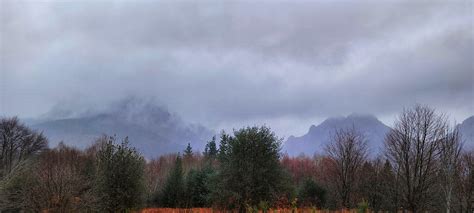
(224, 64)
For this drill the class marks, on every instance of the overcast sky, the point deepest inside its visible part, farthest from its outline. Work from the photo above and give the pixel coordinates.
(224, 64)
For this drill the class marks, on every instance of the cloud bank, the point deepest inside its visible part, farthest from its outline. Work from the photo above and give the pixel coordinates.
(287, 64)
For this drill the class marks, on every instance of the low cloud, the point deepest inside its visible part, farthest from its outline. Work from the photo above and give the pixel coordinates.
(227, 64)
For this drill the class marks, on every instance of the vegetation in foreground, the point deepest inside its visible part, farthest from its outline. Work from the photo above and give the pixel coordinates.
(423, 169)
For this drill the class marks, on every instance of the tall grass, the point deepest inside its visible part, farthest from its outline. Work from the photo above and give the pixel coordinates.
(210, 210)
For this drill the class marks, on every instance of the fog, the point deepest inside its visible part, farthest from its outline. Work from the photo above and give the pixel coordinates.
(287, 64)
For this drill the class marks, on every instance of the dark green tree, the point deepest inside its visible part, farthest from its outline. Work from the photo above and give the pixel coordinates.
(198, 187)
(173, 194)
(210, 151)
(250, 170)
(120, 176)
(188, 152)
(311, 194)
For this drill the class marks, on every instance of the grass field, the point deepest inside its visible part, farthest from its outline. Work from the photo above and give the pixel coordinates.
(209, 210)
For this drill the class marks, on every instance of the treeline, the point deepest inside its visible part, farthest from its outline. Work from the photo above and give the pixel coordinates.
(423, 168)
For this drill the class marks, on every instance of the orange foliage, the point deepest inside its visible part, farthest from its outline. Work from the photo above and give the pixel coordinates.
(210, 210)
(302, 167)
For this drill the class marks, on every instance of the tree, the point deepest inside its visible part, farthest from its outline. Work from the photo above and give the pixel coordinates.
(450, 157)
(311, 194)
(188, 152)
(173, 194)
(389, 188)
(57, 181)
(465, 182)
(301, 168)
(210, 151)
(17, 143)
(377, 184)
(250, 171)
(347, 151)
(197, 187)
(120, 176)
(412, 147)
(15, 189)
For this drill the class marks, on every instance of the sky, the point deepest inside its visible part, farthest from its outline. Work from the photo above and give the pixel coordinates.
(227, 64)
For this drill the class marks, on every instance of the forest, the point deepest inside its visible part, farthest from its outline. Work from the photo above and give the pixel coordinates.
(423, 167)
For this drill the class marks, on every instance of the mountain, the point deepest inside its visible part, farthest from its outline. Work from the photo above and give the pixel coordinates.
(319, 136)
(150, 128)
(466, 128)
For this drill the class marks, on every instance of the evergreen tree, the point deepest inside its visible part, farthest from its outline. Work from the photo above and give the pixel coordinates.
(188, 152)
(173, 191)
(250, 170)
(197, 187)
(120, 176)
(210, 151)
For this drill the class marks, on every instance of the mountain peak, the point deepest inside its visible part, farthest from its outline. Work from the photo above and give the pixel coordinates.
(151, 128)
(466, 128)
(469, 120)
(351, 119)
(318, 136)
(311, 128)
(361, 116)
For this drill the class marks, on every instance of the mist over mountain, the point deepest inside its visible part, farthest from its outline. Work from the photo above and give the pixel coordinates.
(319, 136)
(152, 129)
(374, 131)
(466, 128)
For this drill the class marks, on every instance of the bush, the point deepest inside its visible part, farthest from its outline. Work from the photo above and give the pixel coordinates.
(311, 194)
(363, 207)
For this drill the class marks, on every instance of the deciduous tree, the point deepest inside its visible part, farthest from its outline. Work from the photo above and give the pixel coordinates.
(412, 147)
(17, 143)
(449, 163)
(348, 152)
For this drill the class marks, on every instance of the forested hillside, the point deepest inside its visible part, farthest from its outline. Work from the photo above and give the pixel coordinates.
(423, 168)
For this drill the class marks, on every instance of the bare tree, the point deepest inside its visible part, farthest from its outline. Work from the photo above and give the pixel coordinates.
(412, 146)
(450, 156)
(62, 176)
(17, 143)
(56, 181)
(156, 173)
(465, 182)
(348, 152)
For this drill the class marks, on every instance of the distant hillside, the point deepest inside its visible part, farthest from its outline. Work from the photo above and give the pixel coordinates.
(318, 136)
(150, 128)
(466, 128)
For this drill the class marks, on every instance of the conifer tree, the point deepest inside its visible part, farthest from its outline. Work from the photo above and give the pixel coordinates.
(197, 187)
(188, 152)
(120, 176)
(210, 151)
(173, 191)
(250, 171)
